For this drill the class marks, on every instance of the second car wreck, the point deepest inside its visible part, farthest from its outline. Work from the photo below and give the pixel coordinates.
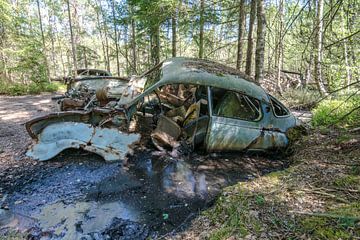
(201, 103)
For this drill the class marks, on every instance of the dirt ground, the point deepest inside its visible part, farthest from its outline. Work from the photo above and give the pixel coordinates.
(77, 195)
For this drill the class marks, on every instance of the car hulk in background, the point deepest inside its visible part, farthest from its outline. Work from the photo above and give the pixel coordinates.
(198, 102)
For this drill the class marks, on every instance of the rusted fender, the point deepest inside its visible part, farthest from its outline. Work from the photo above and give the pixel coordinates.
(110, 143)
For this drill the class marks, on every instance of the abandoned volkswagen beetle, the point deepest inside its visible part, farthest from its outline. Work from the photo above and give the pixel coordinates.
(203, 103)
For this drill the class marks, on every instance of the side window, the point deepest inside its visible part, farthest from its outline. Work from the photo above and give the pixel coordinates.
(235, 105)
(279, 109)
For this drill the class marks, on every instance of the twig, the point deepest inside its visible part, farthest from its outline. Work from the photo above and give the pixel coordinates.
(326, 194)
(326, 215)
(338, 163)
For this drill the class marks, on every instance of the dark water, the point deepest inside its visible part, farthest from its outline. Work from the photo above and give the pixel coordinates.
(87, 198)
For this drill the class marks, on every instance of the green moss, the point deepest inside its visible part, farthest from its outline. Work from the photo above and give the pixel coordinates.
(222, 233)
(234, 214)
(348, 181)
(339, 227)
(18, 89)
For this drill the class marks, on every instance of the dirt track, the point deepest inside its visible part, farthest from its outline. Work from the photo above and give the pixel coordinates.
(78, 195)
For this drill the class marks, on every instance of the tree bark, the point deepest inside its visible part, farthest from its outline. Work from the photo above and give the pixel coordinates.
(115, 38)
(173, 26)
(202, 23)
(155, 44)
(43, 41)
(73, 47)
(319, 48)
(133, 46)
(280, 46)
(241, 29)
(250, 45)
(260, 42)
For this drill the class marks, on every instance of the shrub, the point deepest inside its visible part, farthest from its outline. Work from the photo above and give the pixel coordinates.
(17, 89)
(336, 112)
(300, 98)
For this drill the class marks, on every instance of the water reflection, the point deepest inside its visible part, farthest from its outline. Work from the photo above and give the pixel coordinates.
(76, 220)
(176, 177)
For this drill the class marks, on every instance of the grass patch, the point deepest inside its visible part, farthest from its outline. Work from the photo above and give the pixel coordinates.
(18, 89)
(309, 200)
(336, 112)
(340, 224)
(348, 181)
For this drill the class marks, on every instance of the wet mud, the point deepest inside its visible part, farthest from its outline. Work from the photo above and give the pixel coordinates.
(77, 195)
(87, 198)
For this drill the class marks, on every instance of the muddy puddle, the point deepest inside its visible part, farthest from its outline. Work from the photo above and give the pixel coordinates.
(150, 196)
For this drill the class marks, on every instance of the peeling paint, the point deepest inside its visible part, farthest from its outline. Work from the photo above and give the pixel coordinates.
(111, 144)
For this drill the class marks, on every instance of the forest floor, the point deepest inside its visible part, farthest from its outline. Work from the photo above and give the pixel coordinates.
(78, 195)
(314, 193)
(317, 197)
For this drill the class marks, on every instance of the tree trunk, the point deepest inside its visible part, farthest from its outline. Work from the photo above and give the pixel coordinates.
(133, 46)
(260, 42)
(155, 44)
(202, 23)
(250, 46)
(280, 46)
(348, 74)
(73, 47)
(43, 41)
(108, 67)
(101, 37)
(115, 38)
(241, 29)
(319, 47)
(173, 26)
(85, 58)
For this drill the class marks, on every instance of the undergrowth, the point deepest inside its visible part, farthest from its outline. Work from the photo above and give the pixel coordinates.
(343, 112)
(17, 89)
(300, 99)
(318, 197)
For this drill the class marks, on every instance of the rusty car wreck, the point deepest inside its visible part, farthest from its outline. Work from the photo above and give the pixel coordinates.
(198, 102)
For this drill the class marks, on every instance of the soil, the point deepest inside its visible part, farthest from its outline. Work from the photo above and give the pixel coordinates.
(77, 195)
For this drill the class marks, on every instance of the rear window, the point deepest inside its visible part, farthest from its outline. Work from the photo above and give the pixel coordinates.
(279, 109)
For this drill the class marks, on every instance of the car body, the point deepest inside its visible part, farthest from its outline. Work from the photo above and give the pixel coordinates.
(202, 103)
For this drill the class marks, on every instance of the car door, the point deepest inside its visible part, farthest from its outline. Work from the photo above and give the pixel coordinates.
(236, 121)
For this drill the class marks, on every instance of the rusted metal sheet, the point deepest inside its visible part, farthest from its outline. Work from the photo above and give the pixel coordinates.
(111, 144)
(244, 118)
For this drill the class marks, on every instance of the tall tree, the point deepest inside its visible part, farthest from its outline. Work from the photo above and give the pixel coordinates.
(260, 42)
(250, 45)
(133, 46)
(115, 37)
(43, 40)
(73, 46)
(319, 47)
(241, 30)
(201, 34)
(173, 32)
(280, 47)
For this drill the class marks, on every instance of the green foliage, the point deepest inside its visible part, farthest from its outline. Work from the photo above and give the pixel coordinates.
(348, 181)
(300, 98)
(17, 89)
(337, 112)
(338, 225)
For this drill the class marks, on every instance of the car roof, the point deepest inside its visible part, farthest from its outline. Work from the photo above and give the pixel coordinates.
(182, 70)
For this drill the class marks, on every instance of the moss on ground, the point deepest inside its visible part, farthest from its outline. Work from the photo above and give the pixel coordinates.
(318, 197)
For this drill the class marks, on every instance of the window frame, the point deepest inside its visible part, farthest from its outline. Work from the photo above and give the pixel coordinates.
(273, 99)
(235, 118)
